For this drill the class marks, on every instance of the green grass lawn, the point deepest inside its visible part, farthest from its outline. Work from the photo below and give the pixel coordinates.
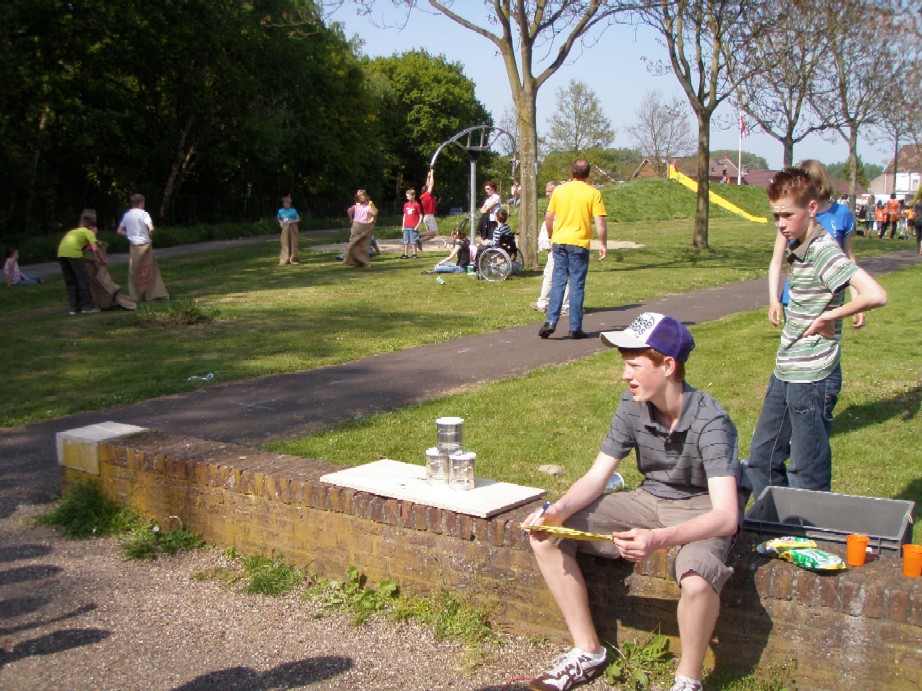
(264, 319)
(235, 313)
(559, 415)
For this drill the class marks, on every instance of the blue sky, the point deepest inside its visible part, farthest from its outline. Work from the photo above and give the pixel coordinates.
(612, 67)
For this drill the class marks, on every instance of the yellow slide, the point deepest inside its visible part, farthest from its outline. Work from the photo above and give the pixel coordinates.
(713, 197)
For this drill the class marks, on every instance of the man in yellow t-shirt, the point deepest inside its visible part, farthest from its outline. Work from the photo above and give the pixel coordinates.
(568, 221)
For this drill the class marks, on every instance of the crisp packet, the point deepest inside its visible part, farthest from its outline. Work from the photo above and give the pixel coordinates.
(774, 547)
(813, 559)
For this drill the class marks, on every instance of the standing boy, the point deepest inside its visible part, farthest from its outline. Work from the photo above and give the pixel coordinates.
(685, 444)
(144, 281)
(412, 218)
(796, 418)
(570, 213)
(544, 243)
(288, 221)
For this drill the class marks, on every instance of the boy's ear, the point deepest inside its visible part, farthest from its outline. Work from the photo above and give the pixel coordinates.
(669, 366)
(812, 207)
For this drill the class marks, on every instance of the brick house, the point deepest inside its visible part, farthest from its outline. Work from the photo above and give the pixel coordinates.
(908, 176)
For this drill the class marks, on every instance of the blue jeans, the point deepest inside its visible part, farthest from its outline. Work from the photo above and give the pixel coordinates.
(796, 424)
(571, 264)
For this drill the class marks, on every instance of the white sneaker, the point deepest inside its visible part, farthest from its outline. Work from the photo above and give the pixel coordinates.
(683, 683)
(569, 670)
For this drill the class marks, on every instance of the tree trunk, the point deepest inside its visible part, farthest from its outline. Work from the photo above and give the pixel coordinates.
(700, 238)
(178, 170)
(788, 144)
(853, 166)
(896, 161)
(39, 140)
(528, 172)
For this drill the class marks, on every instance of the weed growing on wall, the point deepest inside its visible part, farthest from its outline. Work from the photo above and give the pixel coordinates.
(270, 576)
(778, 677)
(85, 511)
(148, 541)
(352, 595)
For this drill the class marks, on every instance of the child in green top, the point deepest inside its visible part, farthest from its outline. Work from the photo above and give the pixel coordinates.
(70, 257)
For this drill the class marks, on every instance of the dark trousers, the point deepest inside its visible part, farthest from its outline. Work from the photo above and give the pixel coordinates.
(78, 284)
(883, 229)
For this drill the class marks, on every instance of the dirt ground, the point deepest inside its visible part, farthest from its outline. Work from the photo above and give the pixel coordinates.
(77, 615)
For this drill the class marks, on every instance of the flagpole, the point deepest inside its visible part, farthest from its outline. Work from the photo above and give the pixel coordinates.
(739, 160)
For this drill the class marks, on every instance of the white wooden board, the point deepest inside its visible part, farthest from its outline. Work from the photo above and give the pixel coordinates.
(406, 481)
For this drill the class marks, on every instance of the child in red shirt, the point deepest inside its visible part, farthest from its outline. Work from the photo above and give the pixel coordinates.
(412, 218)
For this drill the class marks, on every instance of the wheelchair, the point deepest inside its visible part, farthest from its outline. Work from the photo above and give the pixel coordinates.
(498, 262)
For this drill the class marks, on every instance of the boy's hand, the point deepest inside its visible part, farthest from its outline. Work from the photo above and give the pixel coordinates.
(858, 320)
(635, 544)
(822, 326)
(776, 313)
(550, 517)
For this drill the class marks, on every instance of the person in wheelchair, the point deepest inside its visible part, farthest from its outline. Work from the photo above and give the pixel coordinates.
(498, 257)
(502, 236)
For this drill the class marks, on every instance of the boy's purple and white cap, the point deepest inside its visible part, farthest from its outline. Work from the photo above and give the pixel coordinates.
(653, 330)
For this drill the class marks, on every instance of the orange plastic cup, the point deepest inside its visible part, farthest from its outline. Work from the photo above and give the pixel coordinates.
(856, 549)
(912, 560)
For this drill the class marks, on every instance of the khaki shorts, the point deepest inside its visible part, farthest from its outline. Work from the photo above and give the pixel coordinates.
(639, 509)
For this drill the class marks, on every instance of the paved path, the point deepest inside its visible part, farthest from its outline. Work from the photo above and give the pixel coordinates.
(283, 406)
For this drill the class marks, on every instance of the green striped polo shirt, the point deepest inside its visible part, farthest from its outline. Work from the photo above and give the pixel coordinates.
(820, 272)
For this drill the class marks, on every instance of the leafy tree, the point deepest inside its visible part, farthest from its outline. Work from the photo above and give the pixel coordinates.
(190, 102)
(424, 101)
(661, 130)
(578, 122)
(866, 171)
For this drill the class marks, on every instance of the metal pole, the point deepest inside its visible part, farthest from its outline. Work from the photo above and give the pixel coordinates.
(473, 201)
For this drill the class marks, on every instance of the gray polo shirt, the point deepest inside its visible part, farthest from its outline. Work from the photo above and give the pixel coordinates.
(676, 465)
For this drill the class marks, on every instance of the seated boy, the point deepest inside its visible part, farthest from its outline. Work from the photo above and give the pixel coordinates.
(796, 418)
(502, 235)
(685, 445)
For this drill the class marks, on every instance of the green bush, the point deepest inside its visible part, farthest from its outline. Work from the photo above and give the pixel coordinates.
(85, 511)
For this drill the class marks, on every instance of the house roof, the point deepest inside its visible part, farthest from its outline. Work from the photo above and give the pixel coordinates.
(761, 177)
(644, 169)
(910, 160)
(688, 165)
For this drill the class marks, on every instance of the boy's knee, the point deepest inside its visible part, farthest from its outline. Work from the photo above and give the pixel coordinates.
(543, 548)
(695, 586)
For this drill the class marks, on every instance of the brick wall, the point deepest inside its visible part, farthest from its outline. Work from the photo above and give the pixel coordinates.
(858, 629)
